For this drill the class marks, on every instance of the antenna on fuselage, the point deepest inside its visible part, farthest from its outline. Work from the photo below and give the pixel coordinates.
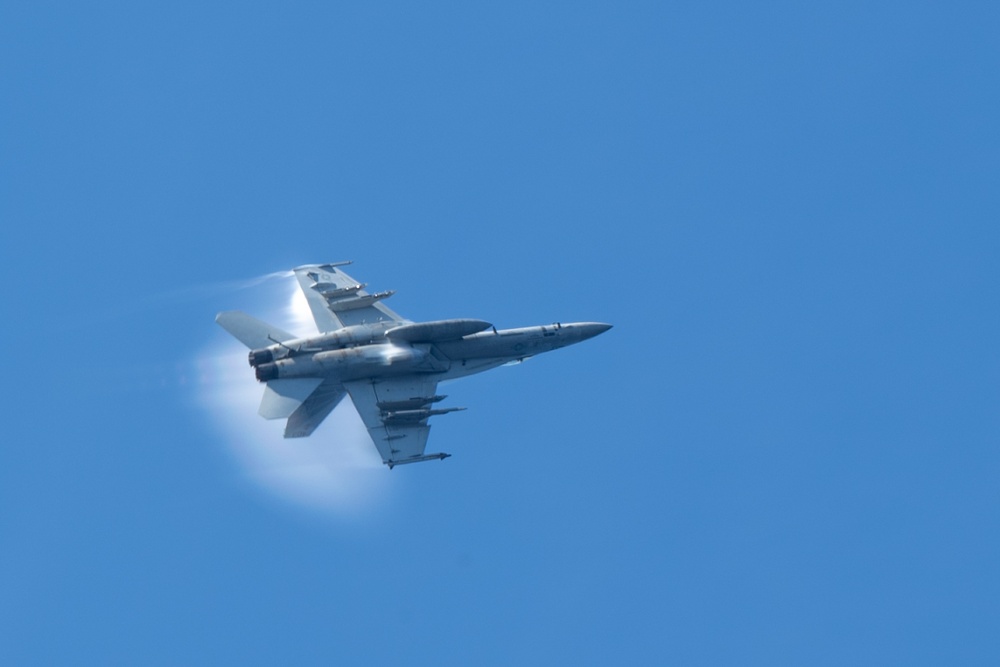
(275, 340)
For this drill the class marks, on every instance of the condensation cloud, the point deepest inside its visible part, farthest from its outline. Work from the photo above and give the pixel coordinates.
(335, 469)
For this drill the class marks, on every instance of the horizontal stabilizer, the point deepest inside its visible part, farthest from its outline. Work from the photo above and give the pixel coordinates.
(317, 407)
(250, 331)
(283, 396)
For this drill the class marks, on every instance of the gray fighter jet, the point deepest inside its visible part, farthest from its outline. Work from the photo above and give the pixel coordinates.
(389, 365)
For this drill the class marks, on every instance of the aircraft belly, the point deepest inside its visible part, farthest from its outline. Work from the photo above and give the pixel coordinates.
(466, 367)
(373, 372)
(506, 347)
(358, 362)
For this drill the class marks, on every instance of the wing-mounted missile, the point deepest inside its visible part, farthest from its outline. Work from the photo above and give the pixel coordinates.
(332, 265)
(409, 403)
(359, 301)
(438, 330)
(417, 459)
(397, 417)
(340, 297)
(331, 292)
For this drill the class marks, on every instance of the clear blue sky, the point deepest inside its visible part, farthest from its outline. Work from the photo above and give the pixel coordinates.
(784, 453)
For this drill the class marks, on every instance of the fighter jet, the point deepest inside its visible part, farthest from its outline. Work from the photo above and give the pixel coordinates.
(389, 365)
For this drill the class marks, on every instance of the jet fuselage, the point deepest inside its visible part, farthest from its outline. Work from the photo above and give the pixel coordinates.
(390, 366)
(366, 351)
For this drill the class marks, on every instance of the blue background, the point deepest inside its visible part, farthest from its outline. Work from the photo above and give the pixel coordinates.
(784, 453)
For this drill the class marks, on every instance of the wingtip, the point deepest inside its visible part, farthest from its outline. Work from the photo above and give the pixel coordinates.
(441, 456)
(329, 266)
(224, 315)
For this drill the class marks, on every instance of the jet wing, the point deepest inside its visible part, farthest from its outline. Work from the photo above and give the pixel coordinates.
(395, 412)
(337, 300)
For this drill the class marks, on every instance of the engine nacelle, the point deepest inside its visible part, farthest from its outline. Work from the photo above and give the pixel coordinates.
(358, 334)
(371, 355)
(347, 363)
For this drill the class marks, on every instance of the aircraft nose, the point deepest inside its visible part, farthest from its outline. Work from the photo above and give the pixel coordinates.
(591, 329)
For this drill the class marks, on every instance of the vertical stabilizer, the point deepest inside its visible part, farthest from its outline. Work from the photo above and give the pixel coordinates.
(250, 331)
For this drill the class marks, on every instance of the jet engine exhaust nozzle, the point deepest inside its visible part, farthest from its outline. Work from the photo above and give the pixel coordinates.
(258, 357)
(266, 372)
